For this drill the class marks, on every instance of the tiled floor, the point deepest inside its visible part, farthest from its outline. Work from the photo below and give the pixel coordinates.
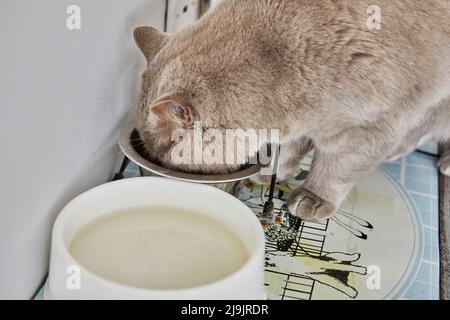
(419, 175)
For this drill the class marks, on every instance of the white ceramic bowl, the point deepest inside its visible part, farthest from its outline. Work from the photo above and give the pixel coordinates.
(246, 283)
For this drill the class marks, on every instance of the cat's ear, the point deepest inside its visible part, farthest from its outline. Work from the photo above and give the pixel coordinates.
(174, 109)
(149, 40)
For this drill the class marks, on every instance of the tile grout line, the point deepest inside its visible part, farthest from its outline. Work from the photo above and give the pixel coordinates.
(430, 271)
(433, 263)
(420, 166)
(402, 171)
(426, 226)
(431, 196)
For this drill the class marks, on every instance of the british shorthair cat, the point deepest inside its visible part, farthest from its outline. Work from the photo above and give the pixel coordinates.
(316, 71)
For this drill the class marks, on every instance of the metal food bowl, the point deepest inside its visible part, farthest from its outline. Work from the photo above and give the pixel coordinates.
(131, 146)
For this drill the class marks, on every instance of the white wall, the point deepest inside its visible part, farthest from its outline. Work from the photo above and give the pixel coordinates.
(63, 97)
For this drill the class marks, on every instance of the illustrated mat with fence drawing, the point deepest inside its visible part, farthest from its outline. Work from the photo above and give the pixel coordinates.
(371, 249)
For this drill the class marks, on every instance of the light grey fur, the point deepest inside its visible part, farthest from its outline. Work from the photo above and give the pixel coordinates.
(314, 70)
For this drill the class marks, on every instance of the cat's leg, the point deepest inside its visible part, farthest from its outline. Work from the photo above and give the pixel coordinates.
(414, 139)
(291, 156)
(444, 161)
(336, 168)
(441, 128)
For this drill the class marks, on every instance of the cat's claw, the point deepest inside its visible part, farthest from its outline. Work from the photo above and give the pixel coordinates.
(308, 206)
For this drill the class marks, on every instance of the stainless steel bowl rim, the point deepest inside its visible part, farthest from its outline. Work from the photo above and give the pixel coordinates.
(130, 152)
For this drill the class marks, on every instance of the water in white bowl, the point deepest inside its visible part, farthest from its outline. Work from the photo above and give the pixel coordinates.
(159, 248)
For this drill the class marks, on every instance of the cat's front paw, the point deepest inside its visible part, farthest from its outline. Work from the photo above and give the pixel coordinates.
(308, 206)
(444, 164)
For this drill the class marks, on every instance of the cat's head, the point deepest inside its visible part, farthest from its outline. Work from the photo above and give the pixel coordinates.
(181, 88)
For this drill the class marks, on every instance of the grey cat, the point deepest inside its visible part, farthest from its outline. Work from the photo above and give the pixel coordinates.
(313, 69)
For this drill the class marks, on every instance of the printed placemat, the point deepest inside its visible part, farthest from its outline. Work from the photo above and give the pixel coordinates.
(382, 243)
